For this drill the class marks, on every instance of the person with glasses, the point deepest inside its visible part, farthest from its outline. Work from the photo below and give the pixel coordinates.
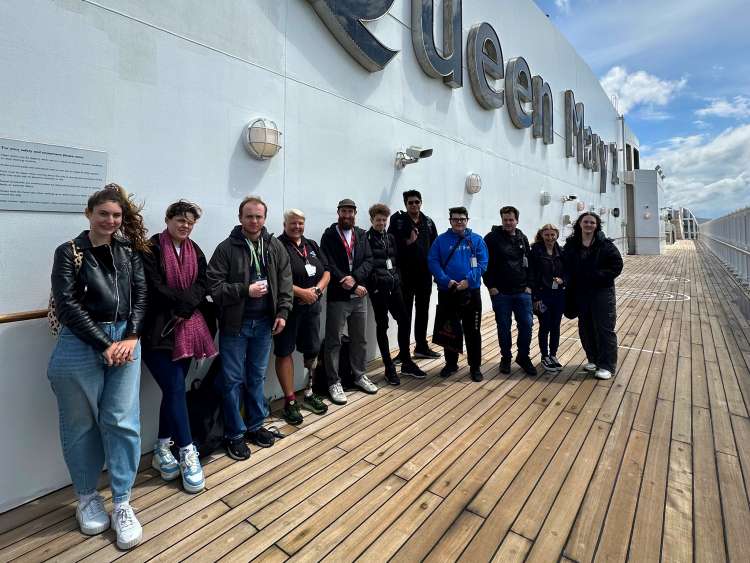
(250, 280)
(509, 278)
(457, 259)
(414, 233)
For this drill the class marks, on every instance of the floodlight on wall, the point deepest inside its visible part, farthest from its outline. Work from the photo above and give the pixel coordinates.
(545, 198)
(567, 198)
(262, 138)
(411, 155)
(616, 212)
(473, 183)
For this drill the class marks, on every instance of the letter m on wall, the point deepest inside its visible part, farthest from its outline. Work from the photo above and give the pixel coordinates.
(574, 129)
(344, 19)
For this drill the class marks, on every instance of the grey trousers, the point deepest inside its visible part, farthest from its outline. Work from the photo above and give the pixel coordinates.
(596, 327)
(353, 314)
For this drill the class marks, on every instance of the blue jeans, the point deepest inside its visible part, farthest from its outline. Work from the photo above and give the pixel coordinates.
(519, 305)
(244, 359)
(170, 376)
(99, 412)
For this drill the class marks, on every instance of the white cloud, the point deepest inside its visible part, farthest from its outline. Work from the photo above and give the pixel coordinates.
(563, 6)
(710, 175)
(738, 108)
(639, 88)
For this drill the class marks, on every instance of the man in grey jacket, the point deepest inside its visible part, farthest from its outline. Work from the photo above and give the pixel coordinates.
(250, 281)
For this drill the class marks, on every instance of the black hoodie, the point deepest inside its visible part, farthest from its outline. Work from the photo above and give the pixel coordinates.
(507, 270)
(338, 261)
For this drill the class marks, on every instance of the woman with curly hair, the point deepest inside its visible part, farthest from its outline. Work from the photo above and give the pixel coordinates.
(592, 262)
(99, 289)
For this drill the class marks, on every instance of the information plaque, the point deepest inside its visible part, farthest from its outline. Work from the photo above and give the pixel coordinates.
(37, 177)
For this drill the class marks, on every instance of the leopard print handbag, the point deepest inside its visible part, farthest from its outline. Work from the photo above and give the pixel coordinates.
(52, 320)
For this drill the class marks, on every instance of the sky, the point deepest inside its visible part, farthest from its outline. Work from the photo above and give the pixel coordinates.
(680, 71)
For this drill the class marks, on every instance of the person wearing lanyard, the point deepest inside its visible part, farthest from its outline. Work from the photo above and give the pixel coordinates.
(509, 278)
(250, 281)
(457, 259)
(350, 262)
(385, 296)
(310, 277)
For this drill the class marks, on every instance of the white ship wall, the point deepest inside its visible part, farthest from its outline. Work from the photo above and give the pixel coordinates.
(165, 88)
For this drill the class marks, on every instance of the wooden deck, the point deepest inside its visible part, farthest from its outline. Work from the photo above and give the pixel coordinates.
(652, 464)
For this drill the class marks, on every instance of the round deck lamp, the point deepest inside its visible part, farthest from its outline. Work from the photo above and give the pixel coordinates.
(262, 138)
(545, 198)
(473, 183)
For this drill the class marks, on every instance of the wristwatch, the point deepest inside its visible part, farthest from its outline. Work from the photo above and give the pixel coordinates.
(318, 291)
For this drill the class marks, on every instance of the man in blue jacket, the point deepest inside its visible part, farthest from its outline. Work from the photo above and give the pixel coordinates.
(457, 260)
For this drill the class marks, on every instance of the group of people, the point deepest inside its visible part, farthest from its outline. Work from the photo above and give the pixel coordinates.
(121, 296)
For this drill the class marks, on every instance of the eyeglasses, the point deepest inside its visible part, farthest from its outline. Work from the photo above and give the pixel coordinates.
(413, 202)
(459, 219)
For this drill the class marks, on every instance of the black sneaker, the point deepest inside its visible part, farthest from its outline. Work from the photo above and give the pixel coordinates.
(526, 365)
(260, 437)
(292, 413)
(548, 364)
(426, 353)
(476, 375)
(397, 361)
(447, 371)
(314, 404)
(505, 365)
(391, 376)
(557, 363)
(410, 368)
(237, 449)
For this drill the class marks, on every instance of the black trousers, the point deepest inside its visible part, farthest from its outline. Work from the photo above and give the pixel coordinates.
(467, 305)
(596, 327)
(384, 302)
(416, 292)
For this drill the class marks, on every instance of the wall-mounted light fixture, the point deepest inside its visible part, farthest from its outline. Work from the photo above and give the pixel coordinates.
(603, 210)
(566, 220)
(411, 155)
(262, 138)
(545, 198)
(567, 198)
(580, 206)
(473, 183)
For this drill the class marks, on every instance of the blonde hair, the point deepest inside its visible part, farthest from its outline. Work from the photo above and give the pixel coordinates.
(289, 213)
(548, 226)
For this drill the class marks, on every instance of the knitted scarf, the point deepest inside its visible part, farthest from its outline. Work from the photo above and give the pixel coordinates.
(192, 338)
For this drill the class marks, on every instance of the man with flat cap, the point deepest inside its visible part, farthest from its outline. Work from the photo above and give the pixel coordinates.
(350, 260)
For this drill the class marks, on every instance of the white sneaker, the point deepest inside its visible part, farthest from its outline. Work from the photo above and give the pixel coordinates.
(366, 385)
(193, 480)
(164, 462)
(338, 397)
(92, 518)
(603, 374)
(127, 527)
(589, 367)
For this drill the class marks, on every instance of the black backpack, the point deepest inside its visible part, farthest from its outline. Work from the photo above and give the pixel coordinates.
(204, 411)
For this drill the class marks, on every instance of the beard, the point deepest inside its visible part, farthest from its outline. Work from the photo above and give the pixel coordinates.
(346, 223)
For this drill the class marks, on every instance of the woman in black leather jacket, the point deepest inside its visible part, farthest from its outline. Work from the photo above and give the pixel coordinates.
(99, 289)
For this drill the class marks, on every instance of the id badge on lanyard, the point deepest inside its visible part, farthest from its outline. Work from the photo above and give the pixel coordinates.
(388, 264)
(310, 269)
(473, 262)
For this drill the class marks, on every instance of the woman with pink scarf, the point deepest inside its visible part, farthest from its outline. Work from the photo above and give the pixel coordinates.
(176, 332)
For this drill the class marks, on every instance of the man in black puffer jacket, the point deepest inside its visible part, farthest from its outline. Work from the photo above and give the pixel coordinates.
(385, 295)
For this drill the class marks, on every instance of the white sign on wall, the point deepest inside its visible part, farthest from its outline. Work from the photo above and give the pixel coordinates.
(37, 177)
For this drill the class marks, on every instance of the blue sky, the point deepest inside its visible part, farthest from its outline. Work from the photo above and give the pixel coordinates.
(681, 72)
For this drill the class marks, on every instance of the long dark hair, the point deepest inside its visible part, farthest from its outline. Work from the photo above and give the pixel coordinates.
(577, 235)
(132, 227)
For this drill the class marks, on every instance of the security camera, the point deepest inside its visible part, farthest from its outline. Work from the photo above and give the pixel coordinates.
(411, 155)
(571, 197)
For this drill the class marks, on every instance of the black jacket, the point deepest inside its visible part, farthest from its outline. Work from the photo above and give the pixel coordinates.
(338, 261)
(413, 256)
(110, 287)
(596, 270)
(164, 303)
(383, 246)
(229, 278)
(545, 267)
(506, 269)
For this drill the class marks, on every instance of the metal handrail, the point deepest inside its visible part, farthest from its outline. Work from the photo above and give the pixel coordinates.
(738, 249)
(23, 316)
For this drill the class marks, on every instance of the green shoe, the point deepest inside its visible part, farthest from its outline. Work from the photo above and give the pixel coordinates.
(315, 404)
(292, 413)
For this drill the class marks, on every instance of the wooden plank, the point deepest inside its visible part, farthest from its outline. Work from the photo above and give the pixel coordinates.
(677, 545)
(646, 406)
(720, 418)
(681, 423)
(742, 434)
(645, 545)
(513, 549)
(735, 507)
(707, 521)
(221, 544)
(454, 541)
(698, 374)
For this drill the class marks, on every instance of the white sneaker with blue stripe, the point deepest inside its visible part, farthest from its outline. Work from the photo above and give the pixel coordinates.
(193, 480)
(164, 462)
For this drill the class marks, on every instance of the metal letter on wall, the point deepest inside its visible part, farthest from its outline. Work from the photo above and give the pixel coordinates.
(518, 91)
(573, 127)
(344, 19)
(541, 116)
(603, 155)
(595, 153)
(615, 177)
(485, 58)
(587, 147)
(448, 66)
